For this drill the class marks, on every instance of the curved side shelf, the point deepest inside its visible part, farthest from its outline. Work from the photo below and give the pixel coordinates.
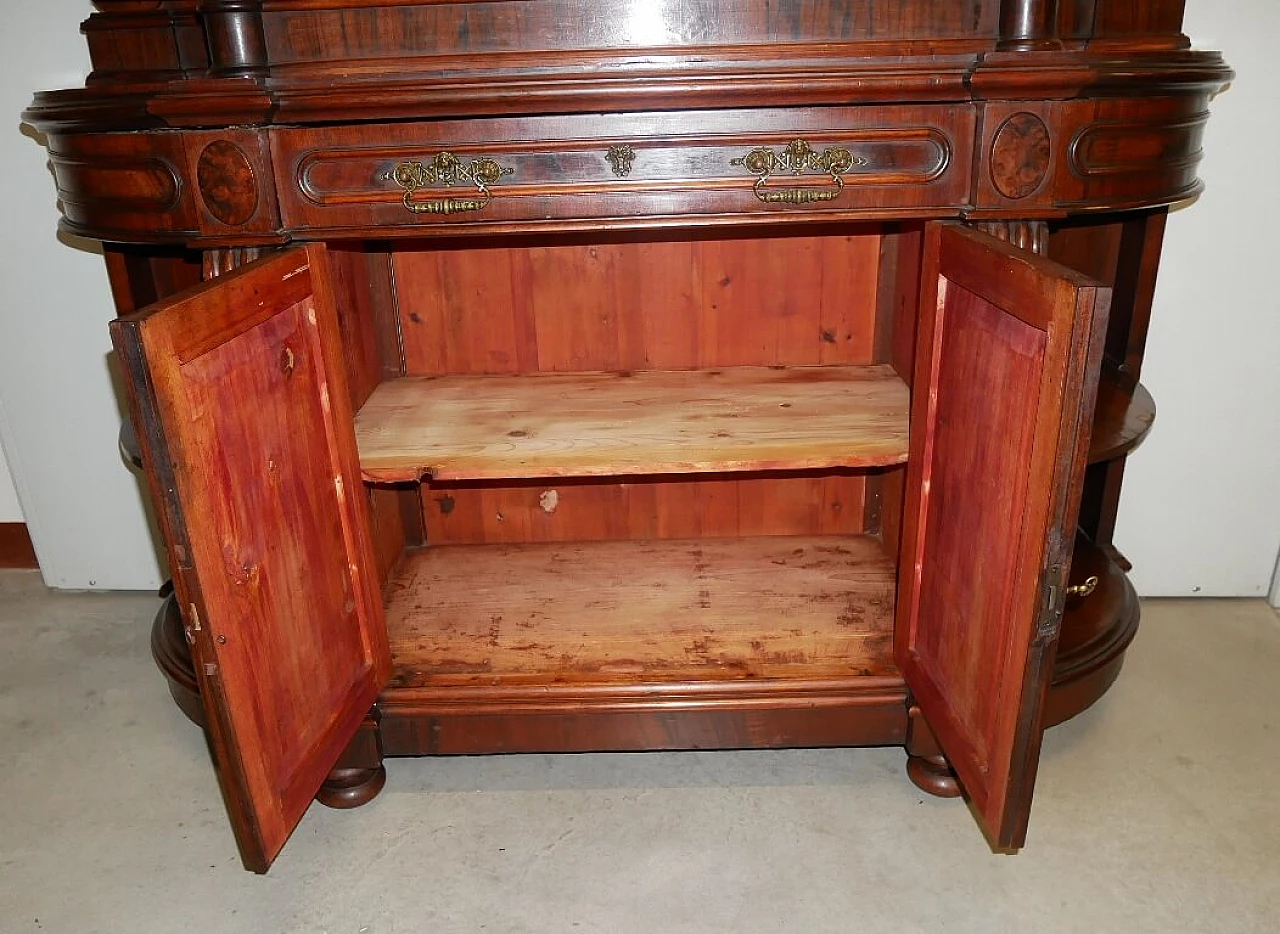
(1096, 631)
(173, 656)
(1122, 420)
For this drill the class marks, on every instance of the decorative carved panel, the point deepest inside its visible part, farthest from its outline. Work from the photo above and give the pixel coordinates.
(221, 260)
(230, 172)
(1032, 236)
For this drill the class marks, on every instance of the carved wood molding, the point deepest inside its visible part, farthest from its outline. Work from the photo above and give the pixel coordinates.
(219, 261)
(1026, 235)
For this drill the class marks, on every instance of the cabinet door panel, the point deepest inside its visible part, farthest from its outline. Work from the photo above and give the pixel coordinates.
(251, 454)
(1005, 382)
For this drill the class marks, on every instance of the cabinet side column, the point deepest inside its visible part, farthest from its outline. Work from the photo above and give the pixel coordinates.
(1029, 26)
(237, 43)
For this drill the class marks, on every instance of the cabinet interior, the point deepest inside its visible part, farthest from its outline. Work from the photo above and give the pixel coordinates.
(769, 555)
(634, 457)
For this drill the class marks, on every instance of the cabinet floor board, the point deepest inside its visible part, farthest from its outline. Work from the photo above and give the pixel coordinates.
(794, 608)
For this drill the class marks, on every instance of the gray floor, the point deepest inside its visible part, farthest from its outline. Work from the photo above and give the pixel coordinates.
(1158, 810)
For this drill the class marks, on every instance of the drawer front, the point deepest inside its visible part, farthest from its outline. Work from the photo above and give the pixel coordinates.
(553, 171)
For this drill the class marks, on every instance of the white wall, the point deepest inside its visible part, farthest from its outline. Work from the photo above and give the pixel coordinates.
(1201, 508)
(83, 508)
(1200, 511)
(10, 510)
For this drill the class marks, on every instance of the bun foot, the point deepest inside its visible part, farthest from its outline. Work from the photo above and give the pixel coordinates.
(934, 775)
(927, 767)
(350, 788)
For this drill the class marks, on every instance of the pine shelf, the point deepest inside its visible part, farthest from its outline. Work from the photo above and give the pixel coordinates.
(627, 423)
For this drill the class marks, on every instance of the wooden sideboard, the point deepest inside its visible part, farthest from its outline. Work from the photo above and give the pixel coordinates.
(559, 375)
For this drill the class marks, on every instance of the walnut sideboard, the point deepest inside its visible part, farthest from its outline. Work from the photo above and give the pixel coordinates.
(556, 375)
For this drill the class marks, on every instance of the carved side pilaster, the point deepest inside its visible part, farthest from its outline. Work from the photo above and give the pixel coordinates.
(221, 260)
(1029, 26)
(237, 43)
(1026, 235)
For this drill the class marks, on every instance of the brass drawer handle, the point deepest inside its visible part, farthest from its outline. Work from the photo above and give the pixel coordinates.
(798, 158)
(448, 170)
(1083, 590)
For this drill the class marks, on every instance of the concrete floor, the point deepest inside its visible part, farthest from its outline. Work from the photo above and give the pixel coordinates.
(1158, 810)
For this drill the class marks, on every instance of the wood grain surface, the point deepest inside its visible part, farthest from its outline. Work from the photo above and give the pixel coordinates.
(640, 302)
(642, 611)
(654, 422)
(1010, 345)
(240, 391)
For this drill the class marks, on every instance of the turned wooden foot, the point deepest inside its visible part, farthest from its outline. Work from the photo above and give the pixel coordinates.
(927, 767)
(350, 788)
(933, 774)
(358, 776)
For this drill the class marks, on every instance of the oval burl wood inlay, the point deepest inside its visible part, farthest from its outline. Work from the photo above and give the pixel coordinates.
(227, 182)
(1020, 155)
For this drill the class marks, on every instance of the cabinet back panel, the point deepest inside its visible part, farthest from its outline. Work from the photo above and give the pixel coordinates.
(678, 304)
(630, 305)
(712, 506)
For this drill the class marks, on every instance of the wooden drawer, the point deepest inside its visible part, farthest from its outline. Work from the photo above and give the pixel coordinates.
(637, 169)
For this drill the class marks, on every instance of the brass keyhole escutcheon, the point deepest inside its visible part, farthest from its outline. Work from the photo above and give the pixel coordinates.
(286, 362)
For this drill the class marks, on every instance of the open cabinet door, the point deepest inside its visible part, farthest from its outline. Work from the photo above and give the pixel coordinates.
(239, 392)
(1004, 389)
